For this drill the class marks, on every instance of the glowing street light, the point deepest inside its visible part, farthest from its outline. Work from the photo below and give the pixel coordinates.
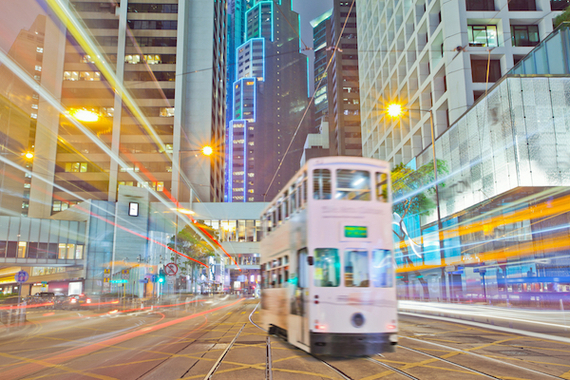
(84, 115)
(29, 155)
(395, 110)
(207, 150)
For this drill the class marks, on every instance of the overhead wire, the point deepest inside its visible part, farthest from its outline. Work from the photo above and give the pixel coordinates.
(311, 100)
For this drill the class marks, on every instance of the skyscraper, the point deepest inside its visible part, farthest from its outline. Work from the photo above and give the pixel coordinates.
(270, 99)
(343, 84)
(147, 87)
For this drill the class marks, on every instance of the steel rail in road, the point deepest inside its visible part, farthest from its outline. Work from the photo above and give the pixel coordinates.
(483, 357)
(268, 360)
(392, 368)
(221, 358)
(450, 362)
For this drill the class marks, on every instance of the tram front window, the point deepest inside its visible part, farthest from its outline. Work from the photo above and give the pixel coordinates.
(356, 269)
(327, 267)
(352, 185)
(382, 268)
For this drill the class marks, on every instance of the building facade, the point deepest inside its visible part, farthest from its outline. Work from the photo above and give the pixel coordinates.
(343, 81)
(129, 99)
(440, 56)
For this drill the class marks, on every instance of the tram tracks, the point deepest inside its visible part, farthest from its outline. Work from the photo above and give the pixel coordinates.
(487, 375)
(268, 357)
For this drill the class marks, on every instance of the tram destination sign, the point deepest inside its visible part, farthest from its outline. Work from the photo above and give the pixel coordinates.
(355, 231)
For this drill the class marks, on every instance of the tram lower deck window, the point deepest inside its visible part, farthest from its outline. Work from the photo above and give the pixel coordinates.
(382, 268)
(327, 267)
(356, 269)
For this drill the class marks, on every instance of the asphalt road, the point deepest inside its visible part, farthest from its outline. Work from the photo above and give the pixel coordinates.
(216, 338)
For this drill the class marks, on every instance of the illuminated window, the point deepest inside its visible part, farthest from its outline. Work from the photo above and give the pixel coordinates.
(152, 59)
(133, 59)
(35, 106)
(86, 58)
(76, 167)
(39, 49)
(108, 112)
(34, 115)
(38, 68)
(167, 112)
(90, 76)
(71, 75)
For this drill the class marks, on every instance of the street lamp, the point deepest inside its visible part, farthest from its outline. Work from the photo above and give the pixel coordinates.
(396, 110)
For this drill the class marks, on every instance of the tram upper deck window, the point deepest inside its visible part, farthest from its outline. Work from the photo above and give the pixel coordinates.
(352, 185)
(321, 184)
(382, 187)
(382, 268)
(356, 269)
(327, 267)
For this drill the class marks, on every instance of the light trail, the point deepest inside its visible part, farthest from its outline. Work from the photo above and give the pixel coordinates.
(57, 360)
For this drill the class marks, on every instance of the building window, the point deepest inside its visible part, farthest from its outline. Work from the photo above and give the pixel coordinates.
(39, 49)
(167, 112)
(480, 5)
(479, 70)
(71, 75)
(482, 35)
(133, 59)
(152, 59)
(522, 5)
(559, 5)
(76, 167)
(90, 76)
(524, 35)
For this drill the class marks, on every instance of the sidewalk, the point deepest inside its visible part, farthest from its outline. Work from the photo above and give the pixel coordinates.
(536, 321)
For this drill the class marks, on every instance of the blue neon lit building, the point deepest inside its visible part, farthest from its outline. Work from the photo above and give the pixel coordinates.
(269, 100)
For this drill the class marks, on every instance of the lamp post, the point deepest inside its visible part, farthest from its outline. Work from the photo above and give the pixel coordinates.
(396, 110)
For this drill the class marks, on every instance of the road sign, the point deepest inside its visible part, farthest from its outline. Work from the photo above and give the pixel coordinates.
(171, 280)
(153, 278)
(22, 276)
(125, 274)
(105, 280)
(171, 269)
(107, 273)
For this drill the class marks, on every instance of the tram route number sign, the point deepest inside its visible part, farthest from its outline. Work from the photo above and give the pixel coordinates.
(171, 269)
(355, 231)
(22, 276)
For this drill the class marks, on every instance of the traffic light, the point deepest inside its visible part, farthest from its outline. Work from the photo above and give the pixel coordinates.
(161, 276)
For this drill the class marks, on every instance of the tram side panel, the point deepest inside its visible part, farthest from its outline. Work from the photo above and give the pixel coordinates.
(277, 297)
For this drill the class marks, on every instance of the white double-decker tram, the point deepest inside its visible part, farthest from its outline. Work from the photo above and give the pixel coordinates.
(326, 259)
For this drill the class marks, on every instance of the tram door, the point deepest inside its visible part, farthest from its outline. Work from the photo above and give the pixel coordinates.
(302, 297)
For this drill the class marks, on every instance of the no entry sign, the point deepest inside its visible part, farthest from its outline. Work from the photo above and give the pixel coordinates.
(171, 269)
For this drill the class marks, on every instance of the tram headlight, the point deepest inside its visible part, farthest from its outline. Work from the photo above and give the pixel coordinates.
(357, 320)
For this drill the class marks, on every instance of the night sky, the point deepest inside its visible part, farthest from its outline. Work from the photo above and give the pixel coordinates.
(309, 10)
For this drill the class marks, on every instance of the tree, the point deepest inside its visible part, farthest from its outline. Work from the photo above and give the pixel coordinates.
(191, 244)
(563, 17)
(416, 187)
